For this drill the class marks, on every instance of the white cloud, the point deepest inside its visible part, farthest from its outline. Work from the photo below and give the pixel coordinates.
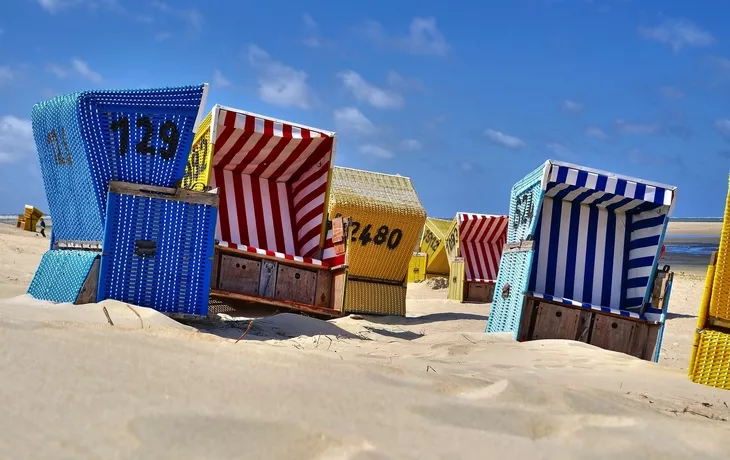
(376, 151)
(561, 151)
(280, 84)
(670, 92)
(313, 38)
(366, 91)
(423, 37)
(309, 21)
(723, 127)
(571, 106)
(57, 70)
(193, 17)
(595, 131)
(162, 36)
(352, 121)
(410, 145)
(16, 139)
(54, 6)
(83, 69)
(638, 128)
(503, 139)
(219, 80)
(678, 33)
(398, 81)
(6, 74)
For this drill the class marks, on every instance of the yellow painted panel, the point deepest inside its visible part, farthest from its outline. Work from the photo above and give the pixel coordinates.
(451, 244)
(375, 298)
(456, 281)
(197, 170)
(432, 243)
(387, 217)
(417, 268)
(712, 361)
(31, 217)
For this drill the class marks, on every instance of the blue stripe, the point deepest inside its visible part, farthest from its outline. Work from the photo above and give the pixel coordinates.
(648, 223)
(553, 246)
(535, 258)
(608, 259)
(572, 250)
(636, 282)
(640, 192)
(644, 242)
(641, 262)
(590, 252)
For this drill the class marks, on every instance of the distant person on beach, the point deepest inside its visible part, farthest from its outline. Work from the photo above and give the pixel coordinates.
(43, 227)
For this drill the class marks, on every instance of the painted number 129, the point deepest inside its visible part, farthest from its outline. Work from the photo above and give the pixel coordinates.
(169, 134)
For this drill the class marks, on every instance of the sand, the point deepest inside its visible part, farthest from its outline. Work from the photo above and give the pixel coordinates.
(431, 385)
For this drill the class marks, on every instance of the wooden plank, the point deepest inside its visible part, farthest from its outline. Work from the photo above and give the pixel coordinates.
(267, 281)
(652, 338)
(215, 270)
(165, 193)
(524, 245)
(585, 324)
(253, 255)
(612, 333)
(239, 274)
(311, 309)
(527, 321)
(323, 291)
(555, 322)
(637, 345)
(339, 287)
(479, 292)
(91, 285)
(295, 284)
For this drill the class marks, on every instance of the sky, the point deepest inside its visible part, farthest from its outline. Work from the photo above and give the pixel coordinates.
(465, 100)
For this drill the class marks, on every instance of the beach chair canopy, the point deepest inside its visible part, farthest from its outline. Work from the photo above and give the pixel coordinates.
(273, 178)
(597, 235)
(481, 240)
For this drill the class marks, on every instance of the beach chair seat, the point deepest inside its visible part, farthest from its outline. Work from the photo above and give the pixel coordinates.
(590, 241)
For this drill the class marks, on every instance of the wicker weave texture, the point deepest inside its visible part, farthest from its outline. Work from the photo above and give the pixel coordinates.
(61, 275)
(712, 362)
(720, 300)
(375, 298)
(387, 220)
(88, 138)
(175, 278)
(197, 170)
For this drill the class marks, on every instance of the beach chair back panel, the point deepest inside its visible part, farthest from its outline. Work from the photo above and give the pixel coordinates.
(273, 178)
(158, 250)
(432, 243)
(86, 139)
(514, 267)
(482, 238)
(61, 275)
(197, 169)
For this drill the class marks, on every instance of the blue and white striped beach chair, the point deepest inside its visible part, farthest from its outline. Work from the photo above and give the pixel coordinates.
(581, 260)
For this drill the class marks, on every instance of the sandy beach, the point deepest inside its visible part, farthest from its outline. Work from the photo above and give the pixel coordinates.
(428, 386)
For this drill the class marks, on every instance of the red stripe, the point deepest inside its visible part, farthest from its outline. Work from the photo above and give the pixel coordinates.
(319, 191)
(276, 215)
(256, 149)
(273, 155)
(223, 205)
(302, 184)
(239, 195)
(229, 123)
(310, 235)
(319, 153)
(293, 157)
(292, 219)
(259, 212)
(248, 131)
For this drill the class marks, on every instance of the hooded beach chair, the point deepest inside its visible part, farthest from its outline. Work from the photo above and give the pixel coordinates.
(474, 248)
(139, 140)
(273, 241)
(387, 218)
(432, 241)
(581, 260)
(710, 359)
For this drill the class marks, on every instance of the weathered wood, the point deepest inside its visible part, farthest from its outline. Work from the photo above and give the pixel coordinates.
(311, 309)
(267, 281)
(216, 269)
(479, 292)
(254, 255)
(91, 285)
(585, 325)
(339, 279)
(323, 292)
(524, 245)
(239, 274)
(718, 322)
(210, 198)
(75, 244)
(612, 333)
(637, 344)
(652, 337)
(295, 284)
(527, 321)
(338, 235)
(555, 322)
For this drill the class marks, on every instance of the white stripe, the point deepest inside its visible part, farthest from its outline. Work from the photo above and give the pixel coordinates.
(312, 204)
(562, 248)
(646, 232)
(296, 132)
(554, 173)
(556, 189)
(649, 193)
(268, 216)
(630, 191)
(218, 214)
(600, 257)
(572, 177)
(294, 167)
(609, 202)
(231, 205)
(224, 149)
(542, 258)
(253, 238)
(639, 272)
(581, 252)
(259, 125)
(247, 147)
(261, 157)
(278, 129)
(570, 197)
(481, 257)
(618, 261)
(635, 293)
(611, 184)
(286, 222)
(667, 197)
(239, 122)
(591, 181)
(594, 197)
(629, 206)
(309, 245)
(280, 159)
(638, 253)
(301, 194)
(469, 256)
(315, 222)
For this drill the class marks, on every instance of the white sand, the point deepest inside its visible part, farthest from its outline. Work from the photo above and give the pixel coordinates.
(432, 385)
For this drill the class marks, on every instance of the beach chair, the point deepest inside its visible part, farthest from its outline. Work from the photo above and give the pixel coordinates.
(387, 217)
(273, 241)
(417, 267)
(581, 260)
(432, 244)
(473, 248)
(87, 139)
(710, 358)
(31, 216)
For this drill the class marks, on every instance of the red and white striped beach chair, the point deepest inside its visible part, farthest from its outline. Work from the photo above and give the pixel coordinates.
(273, 244)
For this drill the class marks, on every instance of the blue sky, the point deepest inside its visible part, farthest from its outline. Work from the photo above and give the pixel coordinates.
(464, 100)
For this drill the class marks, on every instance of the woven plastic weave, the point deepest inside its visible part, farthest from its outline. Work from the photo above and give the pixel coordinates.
(375, 298)
(88, 138)
(387, 219)
(720, 300)
(61, 275)
(175, 276)
(712, 361)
